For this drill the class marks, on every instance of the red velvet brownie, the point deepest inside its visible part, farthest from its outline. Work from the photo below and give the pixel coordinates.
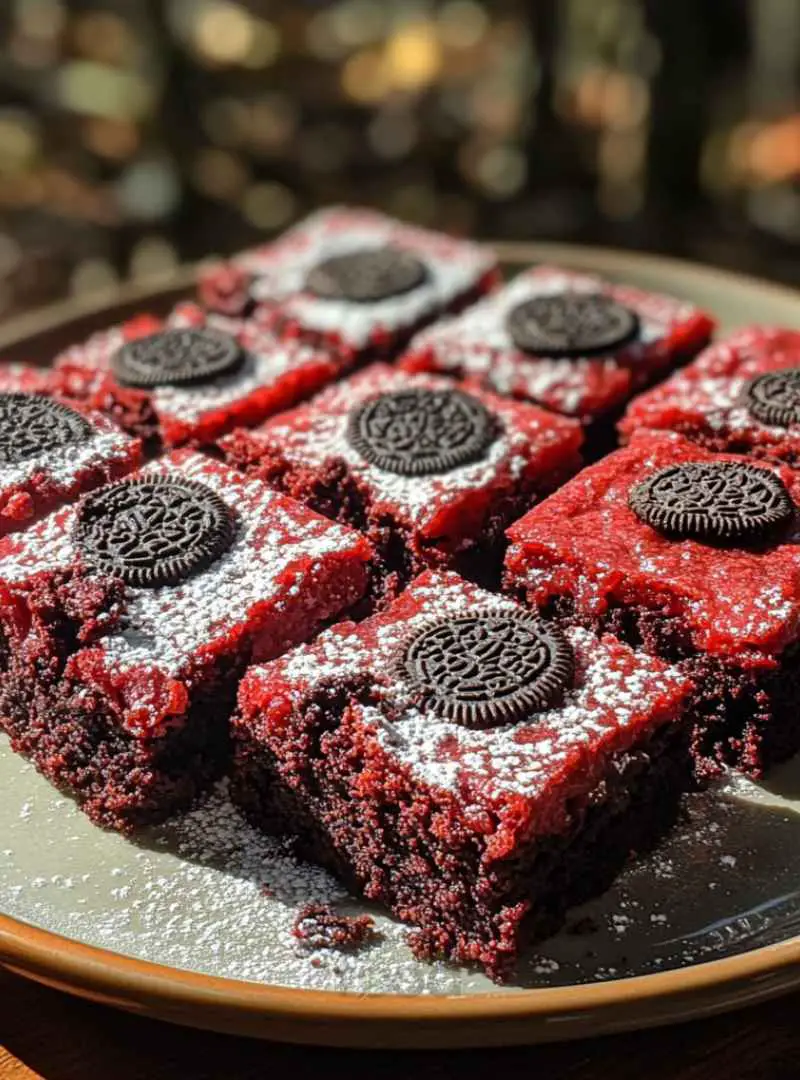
(51, 451)
(470, 766)
(741, 395)
(190, 377)
(571, 341)
(353, 280)
(431, 474)
(127, 619)
(695, 556)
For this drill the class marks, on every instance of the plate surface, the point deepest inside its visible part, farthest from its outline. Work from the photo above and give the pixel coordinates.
(193, 922)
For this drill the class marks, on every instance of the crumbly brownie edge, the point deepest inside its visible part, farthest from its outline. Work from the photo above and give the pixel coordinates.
(457, 908)
(119, 781)
(67, 730)
(723, 442)
(742, 717)
(332, 490)
(600, 429)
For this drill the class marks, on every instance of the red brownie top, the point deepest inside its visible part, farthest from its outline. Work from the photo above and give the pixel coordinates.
(475, 443)
(358, 278)
(514, 778)
(262, 571)
(50, 450)
(547, 337)
(205, 386)
(715, 396)
(737, 599)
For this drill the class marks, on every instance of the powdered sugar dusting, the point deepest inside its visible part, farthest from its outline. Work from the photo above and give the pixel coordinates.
(584, 542)
(267, 362)
(280, 269)
(478, 343)
(708, 395)
(263, 571)
(317, 434)
(204, 892)
(61, 471)
(618, 697)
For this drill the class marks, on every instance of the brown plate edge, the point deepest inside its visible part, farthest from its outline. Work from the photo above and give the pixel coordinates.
(386, 1020)
(329, 1018)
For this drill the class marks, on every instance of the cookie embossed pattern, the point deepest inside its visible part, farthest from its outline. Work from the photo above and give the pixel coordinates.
(573, 342)
(130, 617)
(741, 395)
(51, 451)
(190, 377)
(487, 669)
(431, 473)
(693, 556)
(354, 281)
(504, 769)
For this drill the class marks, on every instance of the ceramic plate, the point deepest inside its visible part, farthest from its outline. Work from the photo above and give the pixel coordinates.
(193, 922)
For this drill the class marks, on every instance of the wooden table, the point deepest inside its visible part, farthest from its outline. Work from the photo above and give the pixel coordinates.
(55, 1037)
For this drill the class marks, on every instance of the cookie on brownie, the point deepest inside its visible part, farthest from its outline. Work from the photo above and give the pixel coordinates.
(51, 450)
(127, 619)
(740, 395)
(430, 472)
(470, 766)
(570, 341)
(695, 556)
(190, 377)
(353, 280)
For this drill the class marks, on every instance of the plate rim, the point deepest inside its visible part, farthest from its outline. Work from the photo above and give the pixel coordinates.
(344, 1018)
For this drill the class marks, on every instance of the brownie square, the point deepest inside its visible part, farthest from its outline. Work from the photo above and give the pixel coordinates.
(51, 451)
(570, 341)
(127, 619)
(741, 395)
(192, 376)
(431, 474)
(696, 557)
(464, 763)
(352, 279)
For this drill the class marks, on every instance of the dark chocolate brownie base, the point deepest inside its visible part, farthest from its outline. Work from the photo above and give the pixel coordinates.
(119, 781)
(68, 732)
(333, 491)
(729, 443)
(745, 718)
(457, 909)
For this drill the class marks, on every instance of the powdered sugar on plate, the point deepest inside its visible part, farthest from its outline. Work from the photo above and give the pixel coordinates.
(207, 893)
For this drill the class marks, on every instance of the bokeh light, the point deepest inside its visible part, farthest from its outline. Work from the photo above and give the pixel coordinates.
(136, 135)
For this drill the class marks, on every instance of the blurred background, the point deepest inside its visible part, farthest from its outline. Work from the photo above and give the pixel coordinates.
(135, 134)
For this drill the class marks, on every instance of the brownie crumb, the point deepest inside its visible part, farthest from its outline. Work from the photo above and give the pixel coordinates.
(319, 927)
